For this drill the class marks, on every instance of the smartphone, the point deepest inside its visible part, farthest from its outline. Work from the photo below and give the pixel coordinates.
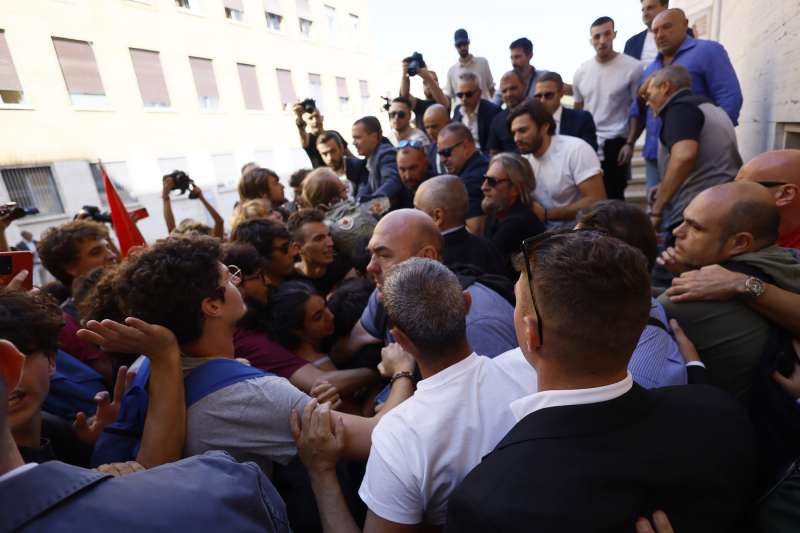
(10, 265)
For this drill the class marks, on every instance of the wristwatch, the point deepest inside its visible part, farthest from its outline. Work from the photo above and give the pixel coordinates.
(753, 287)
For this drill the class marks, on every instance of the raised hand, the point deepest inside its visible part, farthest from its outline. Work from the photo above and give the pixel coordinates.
(88, 429)
(135, 336)
(395, 359)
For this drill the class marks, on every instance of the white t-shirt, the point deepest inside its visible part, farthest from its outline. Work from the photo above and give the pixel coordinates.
(423, 448)
(649, 49)
(607, 91)
(568, 162)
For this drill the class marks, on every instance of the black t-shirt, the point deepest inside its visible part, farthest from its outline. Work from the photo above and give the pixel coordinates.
(313, 153)
(682, 119)
(419, 111)
(508, 232)
(333, 275)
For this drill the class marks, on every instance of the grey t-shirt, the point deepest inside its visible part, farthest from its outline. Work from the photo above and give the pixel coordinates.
(249, 420)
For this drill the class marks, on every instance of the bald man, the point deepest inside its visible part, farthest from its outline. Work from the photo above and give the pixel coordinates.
(435, 118)
(408, 233)
(712, 76)
(779, 172)
(444, 199)
(735, 226)
(512, 91)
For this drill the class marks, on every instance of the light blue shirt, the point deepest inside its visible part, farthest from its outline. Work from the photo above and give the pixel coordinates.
(657, 360)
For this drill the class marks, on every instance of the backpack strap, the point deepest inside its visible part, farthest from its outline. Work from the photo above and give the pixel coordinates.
(653, 321)
(215, 375)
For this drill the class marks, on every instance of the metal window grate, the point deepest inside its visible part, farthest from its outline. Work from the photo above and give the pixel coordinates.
(33, 187)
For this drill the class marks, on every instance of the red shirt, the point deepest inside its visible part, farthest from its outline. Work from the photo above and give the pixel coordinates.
(266, 354)
(792, 240)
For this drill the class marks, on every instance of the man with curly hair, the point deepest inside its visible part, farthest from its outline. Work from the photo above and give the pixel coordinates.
(179, 283)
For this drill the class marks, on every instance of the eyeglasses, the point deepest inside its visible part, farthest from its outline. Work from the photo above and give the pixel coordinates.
(410, 143)
(447, 152)
(397, 114)
(493, 182)
(769, 184)
(260, 276)
(465, 94)
(235, 274)
(529, 247)
(545, 96)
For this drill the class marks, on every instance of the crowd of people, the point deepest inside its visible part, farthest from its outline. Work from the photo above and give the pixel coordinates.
(464, 327)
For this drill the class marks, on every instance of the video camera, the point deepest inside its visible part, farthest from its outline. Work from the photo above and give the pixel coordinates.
(415, 62)
(181, 182)
(11, 211)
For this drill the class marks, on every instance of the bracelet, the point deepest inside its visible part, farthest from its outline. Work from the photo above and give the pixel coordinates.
(403, 374)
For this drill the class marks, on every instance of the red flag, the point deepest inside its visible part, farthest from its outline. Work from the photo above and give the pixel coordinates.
(127, 233)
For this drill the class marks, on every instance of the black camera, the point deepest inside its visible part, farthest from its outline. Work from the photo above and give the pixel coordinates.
(180, 181)
(93, 212)
(309, 105)
(11, 211)
(415, 62)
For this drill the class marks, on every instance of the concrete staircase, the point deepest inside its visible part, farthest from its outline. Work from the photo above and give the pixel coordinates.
(635, 193)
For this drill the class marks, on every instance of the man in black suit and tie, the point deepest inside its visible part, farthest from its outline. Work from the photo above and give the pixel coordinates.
(592, 451)
(474, 112)
(572, 122)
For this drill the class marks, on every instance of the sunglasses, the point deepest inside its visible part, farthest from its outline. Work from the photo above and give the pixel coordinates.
(465, 94)
(493, 182)
(545, 96)
(410, 143)
(397, 114)
(529, 248)
(769, 184)
(447, 152)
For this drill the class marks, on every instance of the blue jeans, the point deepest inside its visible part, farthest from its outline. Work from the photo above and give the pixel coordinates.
(652, 176)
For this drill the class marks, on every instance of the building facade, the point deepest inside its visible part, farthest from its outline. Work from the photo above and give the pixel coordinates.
(761, 38)
(151, 86)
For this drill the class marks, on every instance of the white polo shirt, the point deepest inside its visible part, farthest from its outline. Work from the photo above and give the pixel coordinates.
(568, 162)
(423, 448)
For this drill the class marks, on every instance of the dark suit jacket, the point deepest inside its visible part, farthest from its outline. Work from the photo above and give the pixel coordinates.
(211, 492)
(486, 112)
(598, 467)
(508, 232)
(462, 247)
(381, 177)
(579, 123)
(635, 45)
(500, 138)
(472, 175)
(23, 246)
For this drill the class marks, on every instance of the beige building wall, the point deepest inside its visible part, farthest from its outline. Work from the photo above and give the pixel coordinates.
(761, 37)
(141, 144)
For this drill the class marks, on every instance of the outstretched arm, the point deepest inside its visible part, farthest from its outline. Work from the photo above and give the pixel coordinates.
(219, 223)
(169, 218)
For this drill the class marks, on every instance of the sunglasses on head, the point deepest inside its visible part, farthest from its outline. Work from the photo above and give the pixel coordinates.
(493, 182)
(410, 143)
(447, 152)
(465, 94)
(529, 247)
(545, 96)
(398, 114)
(769, 184)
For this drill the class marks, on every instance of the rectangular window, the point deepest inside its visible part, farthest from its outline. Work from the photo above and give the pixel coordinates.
(249, 80)
(118, 174)
(10, 87)
(354, 22)
(315, 88)
(364, 87)
(304, 17)
(205, 83)
(234, 10)
(80, 73)
(33, 187)
(330, 15)
(274, 13)
(147, 66)
(286, 88)
(344, 94)
(225, 172)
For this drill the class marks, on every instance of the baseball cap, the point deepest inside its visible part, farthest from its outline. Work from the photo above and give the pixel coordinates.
(461, 36)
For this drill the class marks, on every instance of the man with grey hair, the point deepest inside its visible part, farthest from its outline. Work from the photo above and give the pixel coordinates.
(474, 112)
(507, 189)
(414, 465)
(698, 147)
(444, 199)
